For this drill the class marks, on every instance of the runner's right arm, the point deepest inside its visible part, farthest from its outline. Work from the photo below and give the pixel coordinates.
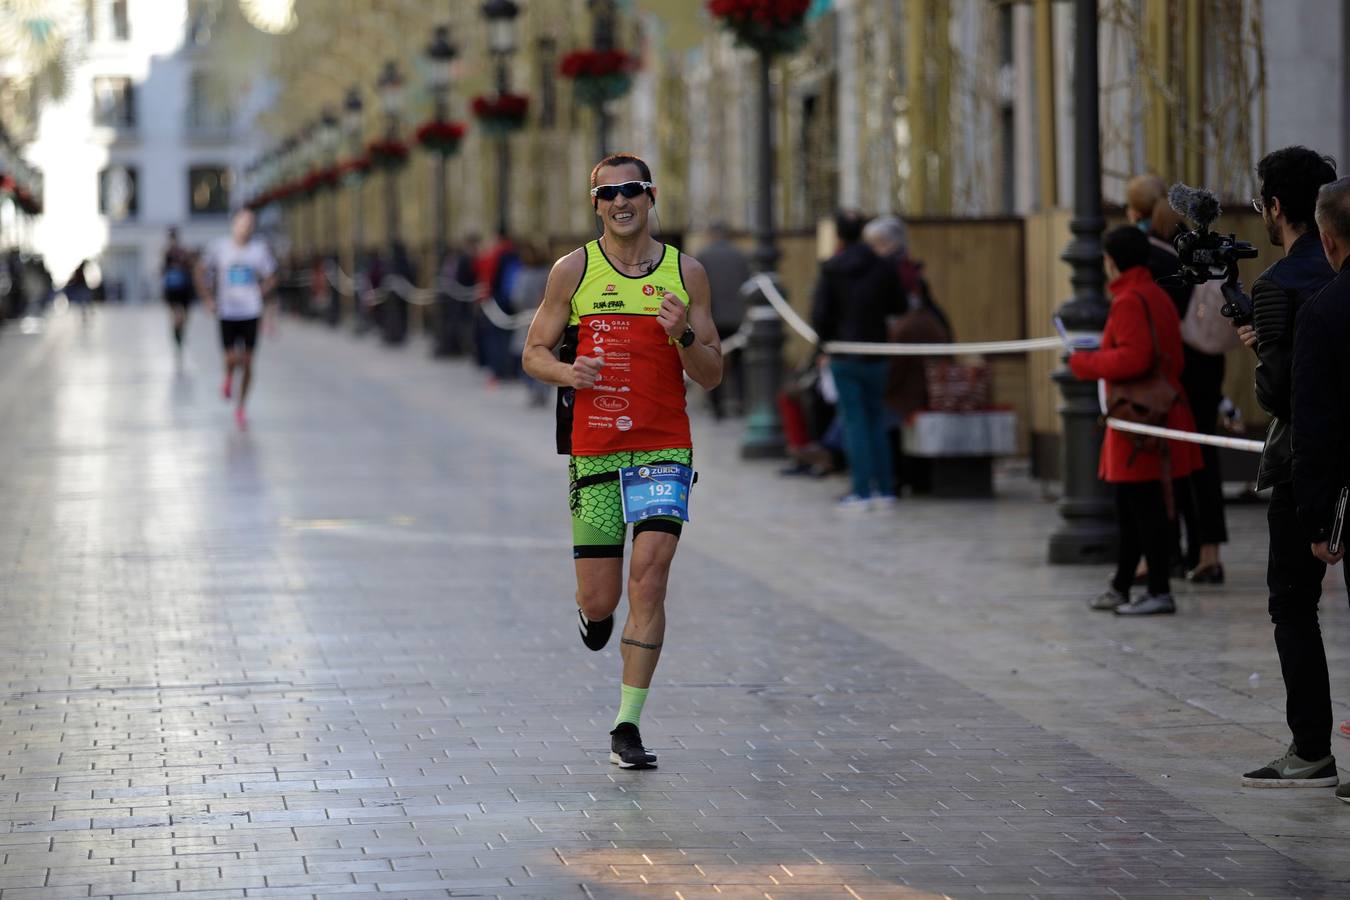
(548, 325)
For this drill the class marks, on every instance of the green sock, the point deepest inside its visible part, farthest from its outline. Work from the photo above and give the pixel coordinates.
(630, 705)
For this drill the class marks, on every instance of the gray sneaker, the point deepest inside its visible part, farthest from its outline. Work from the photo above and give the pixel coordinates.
(1149, 605)
(1293, 771)
(1343, 793)
(1108, 600)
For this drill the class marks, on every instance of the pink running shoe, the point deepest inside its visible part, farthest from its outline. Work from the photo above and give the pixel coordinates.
(240, 419)
(227, 387)
(1344, 730)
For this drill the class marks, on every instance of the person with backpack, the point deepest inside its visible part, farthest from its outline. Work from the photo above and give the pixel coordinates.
(1141, 362)
(177, 285)
(1206, 336)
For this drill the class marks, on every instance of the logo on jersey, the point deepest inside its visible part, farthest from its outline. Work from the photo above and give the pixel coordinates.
(610, 291)
(623, 423)
(611, 404)
(609, 304)
(652, 290)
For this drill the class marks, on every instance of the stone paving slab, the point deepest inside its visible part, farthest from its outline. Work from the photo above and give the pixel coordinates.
(334, 656)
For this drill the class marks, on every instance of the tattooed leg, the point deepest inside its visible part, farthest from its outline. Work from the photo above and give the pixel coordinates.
(645, 630)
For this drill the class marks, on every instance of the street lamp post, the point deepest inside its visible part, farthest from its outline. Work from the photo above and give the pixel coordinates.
(764, 346)
(602, 24)
(501, 17)
(351, 124)
(440, 55)
(394, 311)
(1088, 533)
(330, 137)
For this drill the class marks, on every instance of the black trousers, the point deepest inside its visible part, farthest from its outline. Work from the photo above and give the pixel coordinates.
(1202, 382)
(1294, 577)
(733, 380)
(1141, 513)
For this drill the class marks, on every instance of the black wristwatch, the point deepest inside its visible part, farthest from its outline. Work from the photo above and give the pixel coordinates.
(687, 339)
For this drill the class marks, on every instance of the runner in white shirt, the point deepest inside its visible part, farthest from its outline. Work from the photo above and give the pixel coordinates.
(234, 278)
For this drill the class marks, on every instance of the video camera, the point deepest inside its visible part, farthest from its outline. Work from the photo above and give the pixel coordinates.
(1209, 256)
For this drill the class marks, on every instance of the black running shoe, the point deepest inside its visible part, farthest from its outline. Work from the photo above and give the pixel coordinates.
(626, 750)
(595, 635)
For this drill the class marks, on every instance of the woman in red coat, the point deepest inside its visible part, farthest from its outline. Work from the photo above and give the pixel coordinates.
(1128, 353)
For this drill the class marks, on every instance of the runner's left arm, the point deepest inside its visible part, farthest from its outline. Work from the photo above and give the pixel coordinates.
(703, 358)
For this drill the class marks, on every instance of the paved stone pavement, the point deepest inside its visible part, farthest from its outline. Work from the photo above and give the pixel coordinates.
(336, 655)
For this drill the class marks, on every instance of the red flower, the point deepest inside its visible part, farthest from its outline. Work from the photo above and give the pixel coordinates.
(597, 63)
(357, 165)
(501, 106)
(435, 131)
(388, 149)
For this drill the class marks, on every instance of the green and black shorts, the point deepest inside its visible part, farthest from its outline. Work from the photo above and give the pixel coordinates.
(598, 527)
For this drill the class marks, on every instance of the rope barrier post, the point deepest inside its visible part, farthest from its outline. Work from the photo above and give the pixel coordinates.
(764, 348)
(763, 437)
(1088, 533)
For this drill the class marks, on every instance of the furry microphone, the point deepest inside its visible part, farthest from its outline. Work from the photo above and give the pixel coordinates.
(1196, 204)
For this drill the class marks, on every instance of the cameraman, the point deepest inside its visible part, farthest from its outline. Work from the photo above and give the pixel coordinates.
(1290, 179)
(1322, 388)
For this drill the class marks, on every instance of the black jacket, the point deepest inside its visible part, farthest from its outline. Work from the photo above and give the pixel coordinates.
(1321, 404)
(856, 292)
(1277, 297)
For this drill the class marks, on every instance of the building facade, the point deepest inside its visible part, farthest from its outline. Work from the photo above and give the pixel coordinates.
(151, 133)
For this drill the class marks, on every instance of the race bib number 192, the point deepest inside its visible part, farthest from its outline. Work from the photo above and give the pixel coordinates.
(661, 489)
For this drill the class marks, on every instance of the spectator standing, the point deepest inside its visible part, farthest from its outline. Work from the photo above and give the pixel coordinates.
(1202, 382)
(728, 271)
(856, 294)
(77, 290)
(465, 277)
(1322, 391)
(495, 269)
(922, 323)
(1289, 181)
(1142, 335)
(527, 293)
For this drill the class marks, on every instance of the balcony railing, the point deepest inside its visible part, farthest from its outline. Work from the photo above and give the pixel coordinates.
(206, 124)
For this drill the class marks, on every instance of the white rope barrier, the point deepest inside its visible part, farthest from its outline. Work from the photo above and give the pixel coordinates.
(985, 348)
(505, 320)
(764, 285)
(397, 285)
(1213, 440)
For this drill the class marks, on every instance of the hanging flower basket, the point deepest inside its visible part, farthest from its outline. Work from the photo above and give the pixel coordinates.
(288, 192)
(318, 181)
(354, 170)
(387, 154)
(768, 26)
(599, 76)
(436, 136)
(501, 114)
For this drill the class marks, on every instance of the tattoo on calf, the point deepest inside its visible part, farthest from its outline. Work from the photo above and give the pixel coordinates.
(633, 643)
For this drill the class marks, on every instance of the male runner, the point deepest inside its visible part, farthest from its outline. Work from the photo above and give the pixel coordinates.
(233, 278)
(177, 283)
(634, 315)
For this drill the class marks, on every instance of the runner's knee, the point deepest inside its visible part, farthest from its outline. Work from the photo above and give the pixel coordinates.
(598, 602)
